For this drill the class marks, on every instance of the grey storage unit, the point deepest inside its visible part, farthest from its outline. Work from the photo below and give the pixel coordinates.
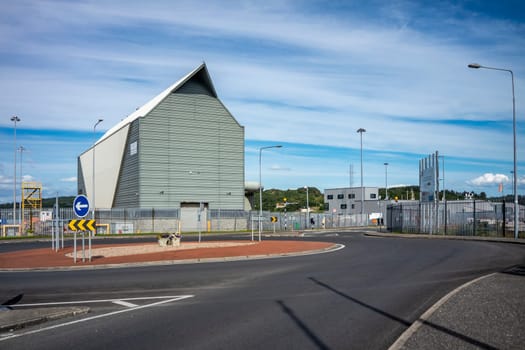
(181, 148)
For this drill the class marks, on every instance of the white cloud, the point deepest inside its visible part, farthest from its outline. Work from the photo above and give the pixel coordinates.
(277, 167)
(489, 179)
(69, 179)
(288, 71)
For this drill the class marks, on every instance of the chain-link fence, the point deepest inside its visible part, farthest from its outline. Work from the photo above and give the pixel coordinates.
(463, 218)
(129, 221)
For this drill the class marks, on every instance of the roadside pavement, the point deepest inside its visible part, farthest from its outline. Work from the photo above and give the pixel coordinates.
(487, 313)
(14, 319)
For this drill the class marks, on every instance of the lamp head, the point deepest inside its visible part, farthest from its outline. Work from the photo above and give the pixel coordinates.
(474, 65)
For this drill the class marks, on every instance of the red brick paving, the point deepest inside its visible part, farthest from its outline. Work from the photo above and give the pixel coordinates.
(47, 258)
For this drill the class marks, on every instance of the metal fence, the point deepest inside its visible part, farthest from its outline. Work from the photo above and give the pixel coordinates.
(462, 218)
(134, 220)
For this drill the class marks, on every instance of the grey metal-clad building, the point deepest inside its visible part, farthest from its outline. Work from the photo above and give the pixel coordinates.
(180, 149)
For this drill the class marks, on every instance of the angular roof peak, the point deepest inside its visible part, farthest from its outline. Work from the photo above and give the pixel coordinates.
(201, 72)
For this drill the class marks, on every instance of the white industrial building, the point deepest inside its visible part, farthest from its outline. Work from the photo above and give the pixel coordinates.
(347, 200)
(182, 149)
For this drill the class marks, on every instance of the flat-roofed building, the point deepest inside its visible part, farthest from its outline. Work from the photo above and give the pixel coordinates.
(347, 200)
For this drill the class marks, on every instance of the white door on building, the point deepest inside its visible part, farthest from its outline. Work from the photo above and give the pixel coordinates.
(193, 217)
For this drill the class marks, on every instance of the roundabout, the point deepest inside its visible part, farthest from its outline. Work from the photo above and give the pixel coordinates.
(137, 254)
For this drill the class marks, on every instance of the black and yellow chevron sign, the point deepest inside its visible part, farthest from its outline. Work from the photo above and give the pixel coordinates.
(274, 218)
(81, 225)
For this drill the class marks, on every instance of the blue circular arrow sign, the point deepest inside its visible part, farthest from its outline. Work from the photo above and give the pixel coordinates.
(81, 205)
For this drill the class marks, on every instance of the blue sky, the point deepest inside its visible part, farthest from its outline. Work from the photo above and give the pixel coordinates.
(303, 74)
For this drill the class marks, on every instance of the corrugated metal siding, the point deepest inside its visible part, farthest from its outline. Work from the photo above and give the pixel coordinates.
(127, 194)
(191, 150)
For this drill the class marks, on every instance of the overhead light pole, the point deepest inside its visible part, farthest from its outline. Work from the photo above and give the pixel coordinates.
(361, 131)
(307, 206)
(386, 181)
(443, 167)
(15, 120)
(93, 167)
(515, 180)
(307, 200)
(260, 184)
(21, 149)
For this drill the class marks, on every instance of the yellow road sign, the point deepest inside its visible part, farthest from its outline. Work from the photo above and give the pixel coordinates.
(81, 225)
(274, 218)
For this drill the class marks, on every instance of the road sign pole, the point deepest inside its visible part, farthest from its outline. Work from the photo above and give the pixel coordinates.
(83, 248)
(53, 239)
(89, 254)
(75, 247)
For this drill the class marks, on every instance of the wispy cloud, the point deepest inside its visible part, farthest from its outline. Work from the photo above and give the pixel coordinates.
(305, 73)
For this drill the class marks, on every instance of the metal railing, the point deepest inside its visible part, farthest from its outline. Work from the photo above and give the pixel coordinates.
(153, 220)
(463, 218)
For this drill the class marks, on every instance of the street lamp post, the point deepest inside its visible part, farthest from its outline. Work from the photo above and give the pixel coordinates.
(361, 131)
(21, 149)
(443, 167)
(15, 120)
(93, 167)
(93, 182)
(260, 184)
(307, 207)
(515, 180)
(386, 181)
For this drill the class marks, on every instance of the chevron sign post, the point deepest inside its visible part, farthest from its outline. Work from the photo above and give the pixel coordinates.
(81, 209)
(82, 225)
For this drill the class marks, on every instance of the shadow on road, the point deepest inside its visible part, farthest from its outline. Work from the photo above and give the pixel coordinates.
(404, 322)
(302, 326)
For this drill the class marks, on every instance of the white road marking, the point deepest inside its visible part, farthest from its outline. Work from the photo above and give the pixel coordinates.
(98, 301)
(169, 300)
(124, 303)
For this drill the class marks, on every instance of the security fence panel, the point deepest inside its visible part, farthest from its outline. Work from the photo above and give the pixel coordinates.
(461, 218)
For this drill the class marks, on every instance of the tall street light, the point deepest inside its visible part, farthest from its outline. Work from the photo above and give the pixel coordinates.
(93, 168)
(515, 189)
(260, 184)
(21, 149)
(443, 167)
(307, 205)
(14, 119)
(361, 131)
(386, 180)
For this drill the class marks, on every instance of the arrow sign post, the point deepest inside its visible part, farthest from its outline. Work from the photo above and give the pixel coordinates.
(81, 206)
(81, 209)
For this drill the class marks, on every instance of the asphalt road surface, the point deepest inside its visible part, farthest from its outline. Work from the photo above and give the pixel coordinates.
(360, 297)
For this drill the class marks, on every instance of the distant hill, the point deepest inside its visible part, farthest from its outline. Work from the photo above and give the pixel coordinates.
(296, 199)
(49, 202)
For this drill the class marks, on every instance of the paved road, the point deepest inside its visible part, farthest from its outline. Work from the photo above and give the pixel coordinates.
(363, 296)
